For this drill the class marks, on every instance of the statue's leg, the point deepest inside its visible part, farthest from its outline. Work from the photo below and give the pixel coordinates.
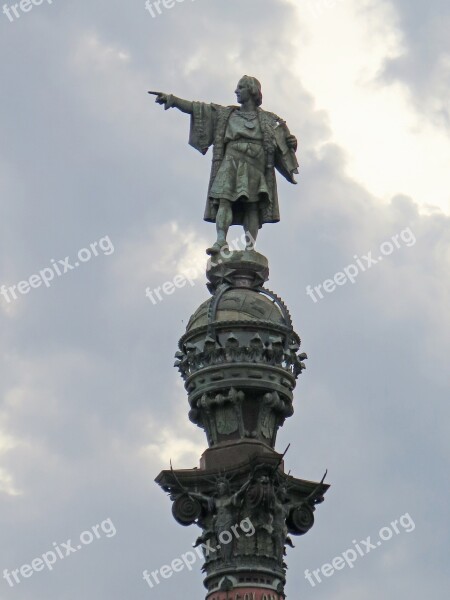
(224, 218)
(251, 225)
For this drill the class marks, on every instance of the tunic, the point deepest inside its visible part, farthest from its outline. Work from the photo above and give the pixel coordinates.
(244, 159)
(241, 176)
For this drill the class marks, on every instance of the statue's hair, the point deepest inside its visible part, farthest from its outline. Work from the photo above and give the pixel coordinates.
(223, 479)
(254, 87)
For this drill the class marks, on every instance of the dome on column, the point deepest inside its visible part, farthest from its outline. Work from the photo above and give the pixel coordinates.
(239, 356)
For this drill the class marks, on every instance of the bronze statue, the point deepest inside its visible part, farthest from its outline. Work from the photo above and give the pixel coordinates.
(249, 143)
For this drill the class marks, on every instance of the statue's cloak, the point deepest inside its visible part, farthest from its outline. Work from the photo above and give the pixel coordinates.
(208, 127)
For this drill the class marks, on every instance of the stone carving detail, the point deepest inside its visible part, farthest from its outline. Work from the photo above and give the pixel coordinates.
(224, 413)
(246, 514)
(273, 412)
(268, 420)
(219, 414)
(226, 420)
(301, 519)
(195, 357)
(263, 500)
(221, 516)
(186, 509)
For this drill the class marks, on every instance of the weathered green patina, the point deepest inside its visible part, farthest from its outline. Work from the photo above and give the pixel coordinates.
(249, 143)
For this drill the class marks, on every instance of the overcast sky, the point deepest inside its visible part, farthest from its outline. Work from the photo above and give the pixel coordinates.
(91, 407)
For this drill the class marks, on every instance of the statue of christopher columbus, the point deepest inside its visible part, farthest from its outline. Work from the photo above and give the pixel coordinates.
(249, 143)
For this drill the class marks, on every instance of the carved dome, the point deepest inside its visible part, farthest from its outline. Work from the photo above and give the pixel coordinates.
(240, 305)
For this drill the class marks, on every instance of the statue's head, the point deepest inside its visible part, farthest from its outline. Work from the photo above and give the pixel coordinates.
(222, 486)
(264, 479)
(249, 87)
(283, 492)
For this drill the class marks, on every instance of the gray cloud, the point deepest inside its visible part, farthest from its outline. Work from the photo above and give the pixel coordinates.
(425, 65)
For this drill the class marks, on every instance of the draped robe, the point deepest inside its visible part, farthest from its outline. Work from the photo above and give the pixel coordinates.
(243, 162)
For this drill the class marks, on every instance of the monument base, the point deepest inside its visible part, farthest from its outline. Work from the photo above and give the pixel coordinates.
(244, 268)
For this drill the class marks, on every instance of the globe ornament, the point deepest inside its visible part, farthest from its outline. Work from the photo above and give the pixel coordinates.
(186, 510)
(300, 520)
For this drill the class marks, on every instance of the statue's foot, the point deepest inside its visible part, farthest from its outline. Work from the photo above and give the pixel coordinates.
(216, 248)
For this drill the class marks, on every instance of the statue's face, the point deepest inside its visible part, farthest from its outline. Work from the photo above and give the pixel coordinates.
(222, 488)
(242, 91)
